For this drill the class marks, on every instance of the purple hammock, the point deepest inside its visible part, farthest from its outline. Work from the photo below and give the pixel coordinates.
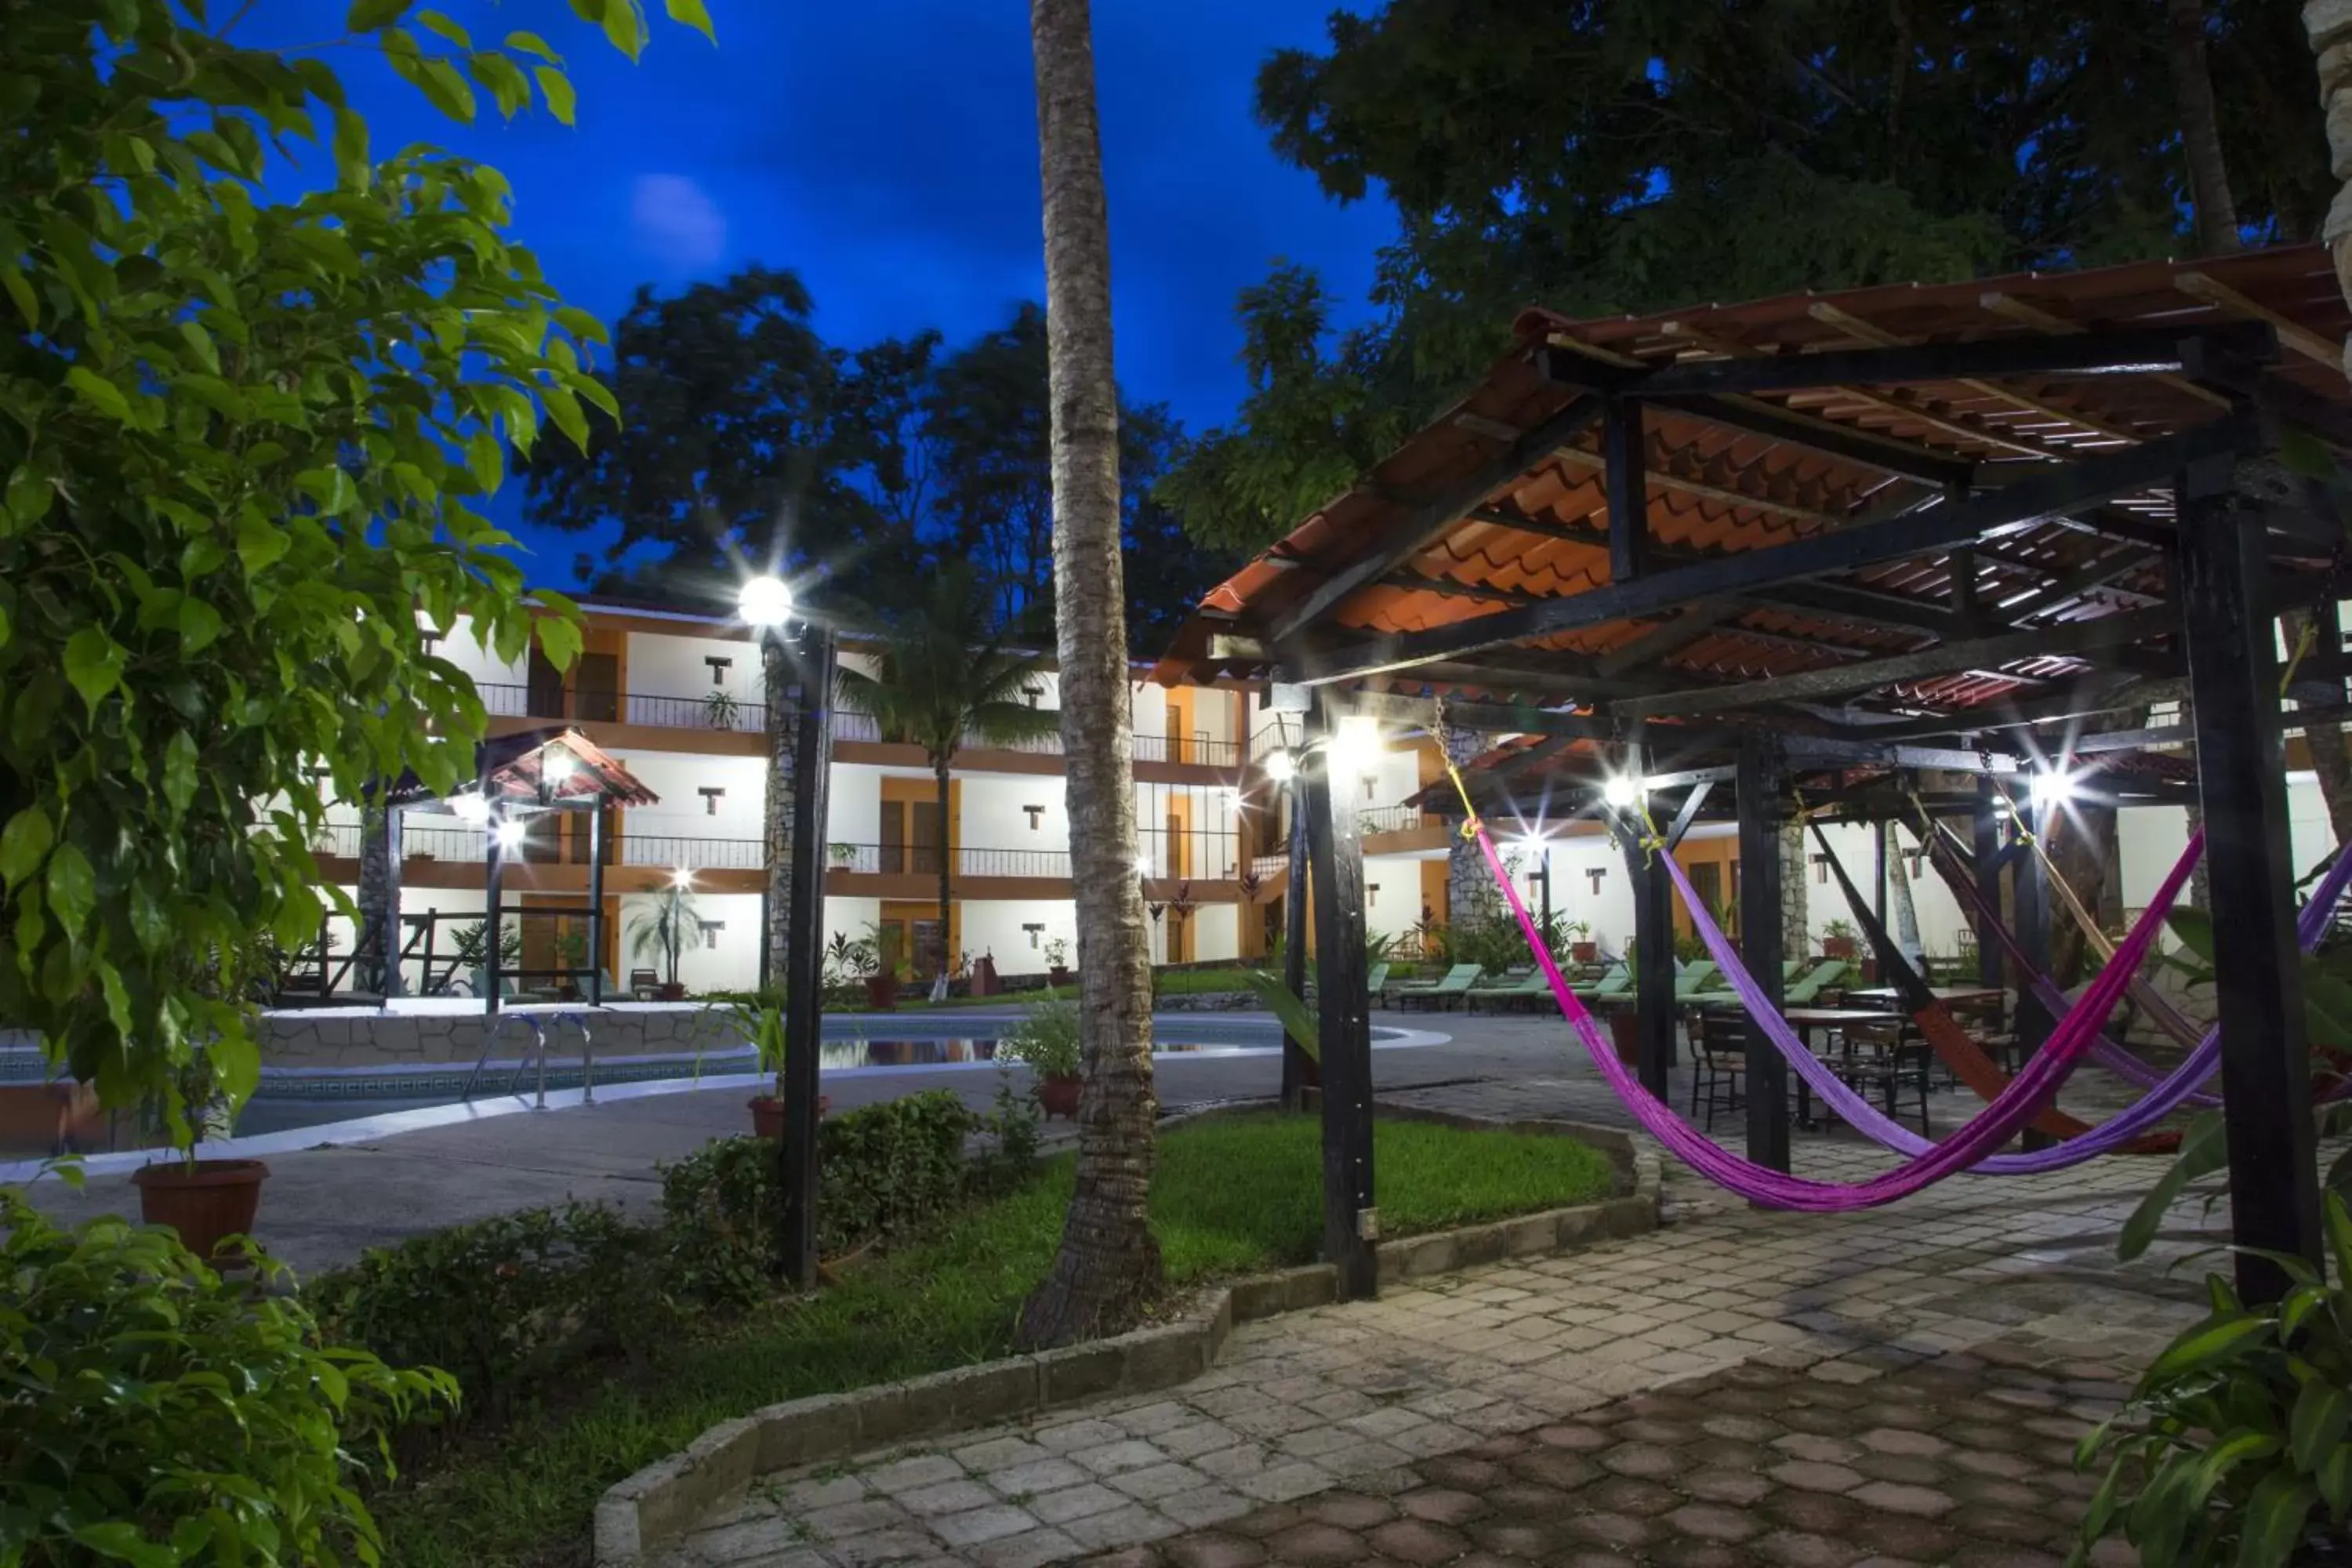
(2000, 1121)
(2205, 1057)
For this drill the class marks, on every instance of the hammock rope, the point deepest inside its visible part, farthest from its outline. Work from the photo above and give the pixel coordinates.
(1953, 1045)
(1984, 1133)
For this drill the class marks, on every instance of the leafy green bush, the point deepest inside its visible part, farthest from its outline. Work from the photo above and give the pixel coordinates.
(504, 1304)
(2236, 1434)
(1046, 1040)
(156, 1413)
(882, 1170)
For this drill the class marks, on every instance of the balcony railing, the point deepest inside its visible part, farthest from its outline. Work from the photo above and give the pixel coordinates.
(1202, 857)
(470, 846)
(1388, 819)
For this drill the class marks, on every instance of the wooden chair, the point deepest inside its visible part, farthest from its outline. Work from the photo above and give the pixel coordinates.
(644, 984)
(1889, 1058)
(1719, 1043)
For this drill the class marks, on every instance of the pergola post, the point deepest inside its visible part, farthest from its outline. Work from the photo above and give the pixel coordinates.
(1296, 1066)
(804, 956)
(596, 904)
(1761, 783)
(1654, 954)
(2226, 615)
(1344, 1036)
(1984, 841)
(2029, 880)
(493, 874)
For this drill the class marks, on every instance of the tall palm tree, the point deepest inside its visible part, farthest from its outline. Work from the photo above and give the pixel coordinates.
(1108, 1266)
(947, 678)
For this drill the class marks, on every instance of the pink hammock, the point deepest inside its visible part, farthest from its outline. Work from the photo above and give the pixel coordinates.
(2000, 1121)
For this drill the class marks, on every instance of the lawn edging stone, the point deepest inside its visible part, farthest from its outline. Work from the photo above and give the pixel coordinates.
(640, 1516)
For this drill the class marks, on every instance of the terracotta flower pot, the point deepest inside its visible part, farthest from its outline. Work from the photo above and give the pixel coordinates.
(768, 1113)
(1584, 951)
(1837, 947)
(673, 992)
(882, 993)
(1058, 975)
(204, 1202)
(1059, 1096)
(1625, 1030)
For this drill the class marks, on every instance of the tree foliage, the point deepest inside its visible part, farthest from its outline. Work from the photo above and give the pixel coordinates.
(1608, 156)
(246, 448)
(753, 439)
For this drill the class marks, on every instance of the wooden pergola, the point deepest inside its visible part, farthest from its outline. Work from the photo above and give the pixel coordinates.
(1829, 538)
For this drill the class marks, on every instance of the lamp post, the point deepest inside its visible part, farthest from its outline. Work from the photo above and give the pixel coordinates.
(1282, 767)
(766, 605)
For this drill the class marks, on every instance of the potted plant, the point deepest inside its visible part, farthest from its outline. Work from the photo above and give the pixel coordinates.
(205, 1201)
(1581, 947)
(1057, 961)
(1838, 940)
(570, 952)
(881, 973)
(719, 710)
(843, 856)
(760, 1016)
(1047, 1042)
(472, 938)
(659, 933)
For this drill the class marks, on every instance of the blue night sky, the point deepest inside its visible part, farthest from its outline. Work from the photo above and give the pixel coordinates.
(885, 150)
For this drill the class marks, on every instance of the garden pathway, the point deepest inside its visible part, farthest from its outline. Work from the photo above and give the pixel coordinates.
(1738, 1386)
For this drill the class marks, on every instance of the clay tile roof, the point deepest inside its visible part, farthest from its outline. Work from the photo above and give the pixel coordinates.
(1713, 489)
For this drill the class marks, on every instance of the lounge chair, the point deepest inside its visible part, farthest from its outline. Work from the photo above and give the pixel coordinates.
(1453, 988)
(1617, 982)
(1698, 977)
(1375, 979)
(1532, 986)
(1796, 991)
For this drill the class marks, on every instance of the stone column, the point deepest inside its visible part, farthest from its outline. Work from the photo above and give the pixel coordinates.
(1796, 877)
(1470, 893)
(379, 901)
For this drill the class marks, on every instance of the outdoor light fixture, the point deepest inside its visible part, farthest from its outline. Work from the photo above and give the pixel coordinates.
(1143, 864)
(1623, 789)
(764, 601)
(681, 878)
(1281, 766)
(2054, 787)
(510, 833)
(556, 764)
(1357, 742)
(470, 808)
(1533, 843)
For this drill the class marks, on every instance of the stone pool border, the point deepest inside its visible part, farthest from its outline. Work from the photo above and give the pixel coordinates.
(649, 1510)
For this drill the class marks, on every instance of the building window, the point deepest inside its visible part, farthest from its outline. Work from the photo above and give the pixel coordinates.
(1036, 817)
(710, 930)
(711, 797)
(720, 666)
(1034, 931)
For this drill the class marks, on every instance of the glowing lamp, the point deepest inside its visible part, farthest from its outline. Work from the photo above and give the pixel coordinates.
(1623, 789)
(510, 834)
(1281, 766)
(681, 878)
(471, 808)
(2053, 787)
(764, 601)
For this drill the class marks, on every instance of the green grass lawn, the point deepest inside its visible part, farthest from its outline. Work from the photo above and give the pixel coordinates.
(1228, 1197)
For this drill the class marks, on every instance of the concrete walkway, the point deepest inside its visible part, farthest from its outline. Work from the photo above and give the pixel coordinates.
(1740, 1386)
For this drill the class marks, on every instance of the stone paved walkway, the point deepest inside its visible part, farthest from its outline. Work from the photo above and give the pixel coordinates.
(1738, 1386)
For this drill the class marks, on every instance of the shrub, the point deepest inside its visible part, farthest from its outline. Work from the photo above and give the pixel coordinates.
(1047, 1039)
(157, 1414)
(882, 1170)
(504, 1304)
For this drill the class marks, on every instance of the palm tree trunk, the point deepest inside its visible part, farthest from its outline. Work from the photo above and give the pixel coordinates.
(2201, 128)
(376, 900)
(947, 889)
(1108, 1267)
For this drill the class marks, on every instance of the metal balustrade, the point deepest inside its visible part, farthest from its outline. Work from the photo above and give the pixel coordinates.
(1388, 819)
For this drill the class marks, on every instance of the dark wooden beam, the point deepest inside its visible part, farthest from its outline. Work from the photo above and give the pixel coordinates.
(1435, 516)
(2131, 352)
(1761, 786)
(1988, 653)
(1922, 534)
(803, 976)
(2079, 579)
(1667, 638)
(1626, 479)
(2241, 778)
(1336, 859)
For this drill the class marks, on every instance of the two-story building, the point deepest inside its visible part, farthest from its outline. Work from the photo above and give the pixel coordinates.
(678, 700)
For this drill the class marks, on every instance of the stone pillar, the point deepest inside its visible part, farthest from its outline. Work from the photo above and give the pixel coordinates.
(1470, 894)
(776, 901)
(1796, 876)
(379, 901)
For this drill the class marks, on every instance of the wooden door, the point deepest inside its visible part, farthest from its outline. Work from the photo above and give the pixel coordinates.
(544, 699)
(596, 688)
(892, 849)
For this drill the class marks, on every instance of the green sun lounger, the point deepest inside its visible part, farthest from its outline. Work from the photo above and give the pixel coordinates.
(1699, 976)
(1532, 986)
(1443, 993)
(1796, 991)
(1618, 982)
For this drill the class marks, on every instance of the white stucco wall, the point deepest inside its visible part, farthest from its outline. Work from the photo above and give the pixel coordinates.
(1217, 932)
(665, 664)
(992, 817)
(1574, 857)
(994, 926)
(852, 810)
(1397, 907)
(733, 964)
(461, 648)
(678, 777)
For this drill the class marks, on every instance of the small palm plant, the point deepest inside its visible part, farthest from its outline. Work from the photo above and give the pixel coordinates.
(948, 677)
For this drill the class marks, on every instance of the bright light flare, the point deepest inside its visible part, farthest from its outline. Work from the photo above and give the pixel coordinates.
(1281, 766)
(557, 765)
(764, 601)
(2052, 788)
(682, 878)
(1623, 789)
(510, 834)
(470, 808)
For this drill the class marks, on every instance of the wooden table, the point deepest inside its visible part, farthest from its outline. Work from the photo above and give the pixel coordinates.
(1955, 995)
(1805, 1020)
